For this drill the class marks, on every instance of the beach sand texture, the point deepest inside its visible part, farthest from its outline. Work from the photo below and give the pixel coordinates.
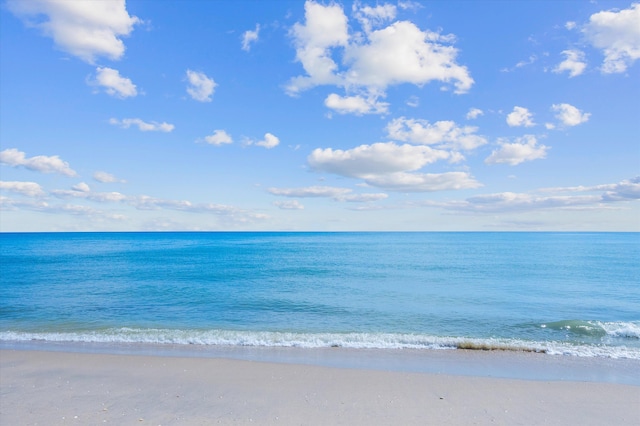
(58, 388)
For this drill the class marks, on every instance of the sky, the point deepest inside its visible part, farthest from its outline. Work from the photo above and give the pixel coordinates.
(319, 116)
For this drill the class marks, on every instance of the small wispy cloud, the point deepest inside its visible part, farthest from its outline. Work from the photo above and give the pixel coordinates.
(143, 126)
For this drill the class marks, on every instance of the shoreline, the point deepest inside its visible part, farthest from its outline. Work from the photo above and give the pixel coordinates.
(520, 365)
(56, 387)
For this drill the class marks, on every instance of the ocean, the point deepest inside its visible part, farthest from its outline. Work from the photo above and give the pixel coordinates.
(575, 294)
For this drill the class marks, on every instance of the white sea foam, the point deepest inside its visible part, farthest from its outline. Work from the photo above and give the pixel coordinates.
(616, 329)
(621, 329)
(319, 340)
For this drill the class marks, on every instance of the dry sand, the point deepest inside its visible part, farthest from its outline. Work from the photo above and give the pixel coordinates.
(59, 388)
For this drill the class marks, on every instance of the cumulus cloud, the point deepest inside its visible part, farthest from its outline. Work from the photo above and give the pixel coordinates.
(523, 149)
(570, 115)
(82, 187)
(402, 53)
(143, 126)
(325, 27)
(357, 105)
(574, 63)
(520, 117)
(335, 193)
(371, 61)
(113, 83)
(388, 166)
(288, 205)
(376, 159)
(104, 177)
(249, 37)
(269, 141)
(443, 134)
(41, 163)
(200, 86)
(474, 113)
(617, 34)
(30, 189)
(86, 29)
(218, 138)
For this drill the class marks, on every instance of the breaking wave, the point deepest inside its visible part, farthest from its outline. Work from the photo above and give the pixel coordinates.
(349, 340)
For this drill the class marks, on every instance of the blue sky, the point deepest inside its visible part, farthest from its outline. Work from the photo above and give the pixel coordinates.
(291, 115)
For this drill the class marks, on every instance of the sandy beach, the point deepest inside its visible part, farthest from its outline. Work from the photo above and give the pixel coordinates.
(59, 388)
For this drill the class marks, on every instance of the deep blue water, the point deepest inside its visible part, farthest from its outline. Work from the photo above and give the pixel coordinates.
(570, 293)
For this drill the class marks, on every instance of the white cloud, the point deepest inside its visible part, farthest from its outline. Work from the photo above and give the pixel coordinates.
(402, 53)
(357, 105)
(81, 187)
(443, 134)
(85, 193)
(30, 189)
(387, 166)
(336, 194)
(86, 29)
(41, 163)
(143, 126)
(218, 138)
(570, 115)
(410, 5)
(399, 53)
(474, 113)
(105, 177)
(229, 213)
(617, 34)
(200, 86)
(364, 198)
(325, 27)
(520, 117)
(44, 207)
(82, 191)
(113, 83)
(376, 159)
(289, 205)
(510, 201)
(250, 37)
(532, 59)
(424, 182)
(524, 149)
(311, 192)
(570, 25)
(627, 190)
(269, 141)
(372, 17)
(574, 63)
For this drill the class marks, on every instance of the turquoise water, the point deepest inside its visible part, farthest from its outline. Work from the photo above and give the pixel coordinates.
(559, 293)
